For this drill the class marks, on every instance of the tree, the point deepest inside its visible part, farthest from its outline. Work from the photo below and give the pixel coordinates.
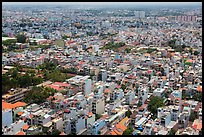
(34, 42)
(114, 46)
(38, 95)
(4, 35)
(198, 97)
(25, 81)
(188, 63)
(89, 33)
(140, 103)
(155, 102)
(21, 38)
(64, 37)
(191, 50)
(47, 66)
(172, 43)
(55, 132)
(150, 50)
(128, 131)
(9, 42)
(166, 95)
(98, 116)
(128, 113)
(72, 133)
(46, 36)
(172, 132)
(127, 50)
(123, 86)
(193, 116)
(99, 132)
(56, 76)
(196, 52)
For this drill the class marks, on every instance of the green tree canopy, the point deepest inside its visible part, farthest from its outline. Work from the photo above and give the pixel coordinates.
(13, 79)
(98, 116)
(9, 42)
(193, 116)
(196, 52)
(127, 50)
(172, 132)
(123, 86)
(114, 46)
(4, 35)
(128, 113)
(38, 94)
(55, 132)
(154, 104)
(21, 38)
(128, 131)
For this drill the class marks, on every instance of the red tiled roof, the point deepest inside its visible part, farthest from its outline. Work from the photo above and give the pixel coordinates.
(197, 124)
(25, 127)
(55, 87)
(113, 133)
(30, 116)
(20, 133)
(20, 113)
(118, 86)
(62, 133)
(107, 91)
(67, 110)
(189, 60)
(61, 84)
(143, 106)
(199, 88)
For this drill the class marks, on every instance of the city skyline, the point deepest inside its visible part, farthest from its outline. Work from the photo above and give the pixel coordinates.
(88, 68)
(102, 3)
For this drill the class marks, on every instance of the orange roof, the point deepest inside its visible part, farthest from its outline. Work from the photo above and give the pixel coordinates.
(62, 133)
(199, 88)
(90, 113)
(20, 133)
(31, 116)
(147, 54)
(189, 60)
(25, 127)
(155, 129)
(164, 78)
(123, 121)
(107, 90)
(6, 105)
(19, 104)
(178, 98)
(122, 127)
(113, 133)
(20, 113)
(118, 132)
(49, 98)
(197, 124)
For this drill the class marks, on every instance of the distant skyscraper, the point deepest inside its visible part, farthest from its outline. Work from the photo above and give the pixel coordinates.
(139, 14)
(186, 18)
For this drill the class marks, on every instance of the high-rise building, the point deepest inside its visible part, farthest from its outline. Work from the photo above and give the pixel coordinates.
(98, 105)
(139, 14)
(186, 18)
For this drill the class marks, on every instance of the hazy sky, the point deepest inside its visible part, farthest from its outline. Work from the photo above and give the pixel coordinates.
(102, 3)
